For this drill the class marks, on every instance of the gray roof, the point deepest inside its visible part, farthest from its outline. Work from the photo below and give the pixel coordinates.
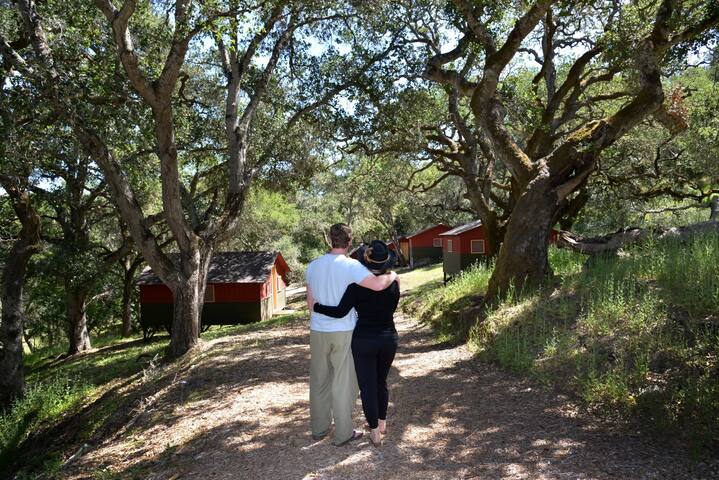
(425, 230)
(463, 228)
(228, 267)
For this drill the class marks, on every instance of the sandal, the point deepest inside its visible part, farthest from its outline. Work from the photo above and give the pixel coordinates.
(356, 435)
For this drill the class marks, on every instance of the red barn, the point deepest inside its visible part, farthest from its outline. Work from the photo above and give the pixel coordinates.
(465, 245)
(462, 246)
(242, 287)
(425, 246)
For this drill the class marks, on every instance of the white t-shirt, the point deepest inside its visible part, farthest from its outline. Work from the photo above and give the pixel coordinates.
(328, 277)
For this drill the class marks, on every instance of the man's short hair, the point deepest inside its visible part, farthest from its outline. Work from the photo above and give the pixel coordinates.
(340, 235)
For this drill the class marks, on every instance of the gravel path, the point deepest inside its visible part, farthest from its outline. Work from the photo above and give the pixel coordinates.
(243, 414)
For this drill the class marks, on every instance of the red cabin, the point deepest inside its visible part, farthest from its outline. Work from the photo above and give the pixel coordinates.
(242, 287)
(425, 246)
(465, 245)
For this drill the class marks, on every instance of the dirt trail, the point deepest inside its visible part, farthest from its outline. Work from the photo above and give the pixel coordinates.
(243, 414)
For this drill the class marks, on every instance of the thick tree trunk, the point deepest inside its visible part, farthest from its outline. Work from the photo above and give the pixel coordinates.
(523, 257)
(185, 322)
(189, 296)
(493, 235)
(77, 320)
(12, 378)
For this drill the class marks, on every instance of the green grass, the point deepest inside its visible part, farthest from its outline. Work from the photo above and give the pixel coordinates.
(418, 277)
(43, 403)
(230, 330)
(635, 336)
(58, 389)
(441, 305)
(61, 389)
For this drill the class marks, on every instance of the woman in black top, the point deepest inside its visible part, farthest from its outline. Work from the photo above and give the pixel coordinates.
(374, 341)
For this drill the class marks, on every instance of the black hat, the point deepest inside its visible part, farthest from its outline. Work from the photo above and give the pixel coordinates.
(376, 256)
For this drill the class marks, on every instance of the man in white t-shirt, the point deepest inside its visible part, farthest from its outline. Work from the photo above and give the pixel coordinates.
(333, 381)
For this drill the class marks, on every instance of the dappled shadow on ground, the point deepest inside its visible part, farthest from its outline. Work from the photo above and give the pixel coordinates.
(205, 387)
(107, 363)
(242, 412)
(145, 397)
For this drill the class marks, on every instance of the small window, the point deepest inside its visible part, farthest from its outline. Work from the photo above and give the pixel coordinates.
(437, 242)
(478, 246)
(449, 246)
(210, 294)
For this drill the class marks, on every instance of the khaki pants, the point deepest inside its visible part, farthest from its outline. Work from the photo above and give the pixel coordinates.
(333, 383)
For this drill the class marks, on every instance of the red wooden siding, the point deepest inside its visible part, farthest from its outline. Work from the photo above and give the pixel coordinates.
(462, 243)
(224, 293)
(282, 268)
(238, 292)
(426, 238)
(155, 294)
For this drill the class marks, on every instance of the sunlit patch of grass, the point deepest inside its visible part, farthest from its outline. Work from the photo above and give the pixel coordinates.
(59, 389)
(566, 262)
(418, 277)
(274, 322)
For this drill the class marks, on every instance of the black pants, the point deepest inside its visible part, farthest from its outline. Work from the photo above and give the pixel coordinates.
(373, 357)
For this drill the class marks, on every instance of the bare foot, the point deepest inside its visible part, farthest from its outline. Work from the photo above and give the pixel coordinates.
(382, 426)
(375, 437)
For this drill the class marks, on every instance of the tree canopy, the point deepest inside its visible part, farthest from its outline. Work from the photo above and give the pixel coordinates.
(135, 130)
